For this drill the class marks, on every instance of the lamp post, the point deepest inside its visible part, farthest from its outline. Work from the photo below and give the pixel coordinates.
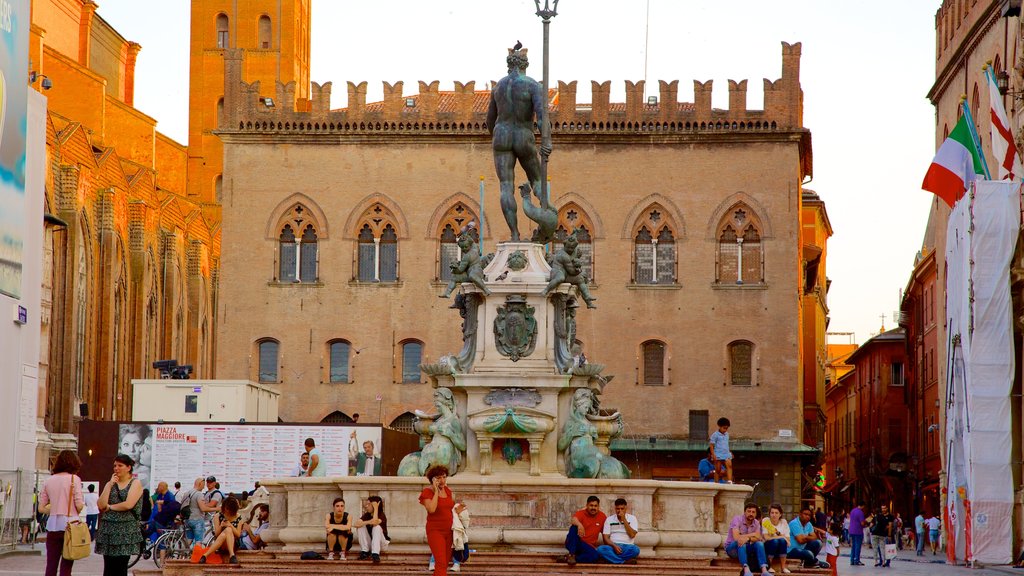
(549, 11)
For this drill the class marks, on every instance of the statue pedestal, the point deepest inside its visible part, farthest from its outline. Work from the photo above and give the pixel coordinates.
(514, 381)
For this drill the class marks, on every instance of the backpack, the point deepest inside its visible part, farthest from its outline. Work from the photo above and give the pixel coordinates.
(186, 506)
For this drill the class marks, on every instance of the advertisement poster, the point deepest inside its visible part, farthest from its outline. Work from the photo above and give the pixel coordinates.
(14, 23)
(238, 455)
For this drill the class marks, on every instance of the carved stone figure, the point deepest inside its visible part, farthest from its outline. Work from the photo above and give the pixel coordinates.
(516, 101)
(567, 266)
(515, 328)
(563, 342)
(577, 441)
(470, 268)
(543, 214)
(447, 440)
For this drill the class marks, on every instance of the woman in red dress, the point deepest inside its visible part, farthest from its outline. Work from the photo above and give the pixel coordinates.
(438, 500)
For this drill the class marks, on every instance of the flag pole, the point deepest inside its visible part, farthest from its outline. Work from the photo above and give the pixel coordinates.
(974, 136)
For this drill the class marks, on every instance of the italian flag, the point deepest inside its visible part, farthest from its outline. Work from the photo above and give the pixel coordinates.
(955, 165)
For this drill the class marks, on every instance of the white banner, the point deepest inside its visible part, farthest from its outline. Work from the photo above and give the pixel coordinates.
(238, 455)
(981, 238)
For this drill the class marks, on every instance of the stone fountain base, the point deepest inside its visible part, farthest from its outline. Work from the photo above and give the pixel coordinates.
(677, 519)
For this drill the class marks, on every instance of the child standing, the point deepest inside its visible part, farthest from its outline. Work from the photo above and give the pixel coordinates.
(832, 546)
(720, 448)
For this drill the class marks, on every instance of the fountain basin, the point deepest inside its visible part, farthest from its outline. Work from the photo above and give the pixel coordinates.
(529, 513)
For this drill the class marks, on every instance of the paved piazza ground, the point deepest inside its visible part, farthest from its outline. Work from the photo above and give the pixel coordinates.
(32, 565)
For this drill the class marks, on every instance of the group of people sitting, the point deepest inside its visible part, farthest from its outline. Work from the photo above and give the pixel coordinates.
(773, 539)
(594, 536)
(232, 533)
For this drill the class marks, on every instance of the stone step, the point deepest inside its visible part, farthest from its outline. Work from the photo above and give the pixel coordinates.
(480, 564)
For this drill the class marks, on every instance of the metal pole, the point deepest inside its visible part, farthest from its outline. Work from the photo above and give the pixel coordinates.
(544, 199)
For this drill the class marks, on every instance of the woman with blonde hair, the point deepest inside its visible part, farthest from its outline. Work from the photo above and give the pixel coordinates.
(61, 497)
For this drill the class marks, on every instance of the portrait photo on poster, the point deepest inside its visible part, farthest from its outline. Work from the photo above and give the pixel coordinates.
(136, 441)
(364, 455)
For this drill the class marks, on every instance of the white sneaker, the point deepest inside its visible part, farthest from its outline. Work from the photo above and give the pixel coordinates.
(747, 572)
(330, 556)
(456, 567)
(430, 567)
(786, 571)
(342, 556)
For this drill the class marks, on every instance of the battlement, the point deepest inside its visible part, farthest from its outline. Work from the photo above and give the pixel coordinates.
(464, 109)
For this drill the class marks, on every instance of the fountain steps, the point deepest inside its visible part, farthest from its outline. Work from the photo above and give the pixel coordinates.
(480, 564)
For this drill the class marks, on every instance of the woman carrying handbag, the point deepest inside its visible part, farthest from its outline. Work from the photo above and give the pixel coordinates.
(61, 498)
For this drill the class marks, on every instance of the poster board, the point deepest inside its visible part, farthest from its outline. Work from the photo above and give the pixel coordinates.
(238, 455)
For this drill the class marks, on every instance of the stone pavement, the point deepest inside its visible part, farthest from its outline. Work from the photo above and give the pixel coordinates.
(28, 564)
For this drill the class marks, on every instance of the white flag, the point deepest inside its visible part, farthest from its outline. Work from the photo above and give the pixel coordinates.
(1003, 147)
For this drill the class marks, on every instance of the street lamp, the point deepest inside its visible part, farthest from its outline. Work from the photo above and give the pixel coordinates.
(549, 11)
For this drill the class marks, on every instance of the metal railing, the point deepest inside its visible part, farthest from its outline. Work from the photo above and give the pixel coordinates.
(18, 521)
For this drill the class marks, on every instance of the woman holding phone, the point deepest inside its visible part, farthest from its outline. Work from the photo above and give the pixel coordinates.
(437, 499)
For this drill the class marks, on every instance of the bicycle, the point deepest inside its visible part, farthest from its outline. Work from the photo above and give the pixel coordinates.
(171, 544)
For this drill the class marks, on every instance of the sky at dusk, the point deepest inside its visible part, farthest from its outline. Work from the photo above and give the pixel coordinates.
(865, 70)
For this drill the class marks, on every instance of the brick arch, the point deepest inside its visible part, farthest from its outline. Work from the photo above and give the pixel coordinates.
(351, 231)
(434, 225)
(760, 215)
(274, 223)
(673, 216)
(587, 207)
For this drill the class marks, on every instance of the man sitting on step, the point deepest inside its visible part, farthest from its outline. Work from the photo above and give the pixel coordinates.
(618, 533)
(584, 532)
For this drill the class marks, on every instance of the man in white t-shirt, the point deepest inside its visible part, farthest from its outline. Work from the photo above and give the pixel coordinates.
(92, 509)
(619, 532)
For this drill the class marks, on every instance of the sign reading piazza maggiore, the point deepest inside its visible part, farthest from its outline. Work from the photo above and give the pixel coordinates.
(237, 454)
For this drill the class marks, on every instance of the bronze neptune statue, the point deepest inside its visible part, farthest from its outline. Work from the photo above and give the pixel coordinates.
(515, 101)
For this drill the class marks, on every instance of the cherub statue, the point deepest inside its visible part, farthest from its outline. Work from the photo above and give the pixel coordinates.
(567, 266)
(468, 269)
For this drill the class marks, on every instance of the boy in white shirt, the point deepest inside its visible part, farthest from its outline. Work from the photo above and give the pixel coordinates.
(619, 533)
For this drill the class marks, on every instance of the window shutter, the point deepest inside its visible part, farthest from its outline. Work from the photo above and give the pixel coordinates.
(654, 363)
(412, 354)
(339, 362)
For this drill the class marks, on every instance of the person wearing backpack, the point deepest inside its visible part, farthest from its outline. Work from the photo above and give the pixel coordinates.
(195, 524)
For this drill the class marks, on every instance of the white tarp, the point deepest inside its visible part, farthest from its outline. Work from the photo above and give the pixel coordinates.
(981, 237)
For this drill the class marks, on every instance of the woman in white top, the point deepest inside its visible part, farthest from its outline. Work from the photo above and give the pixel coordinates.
(776, 537)
(61, 498)
(92, 510)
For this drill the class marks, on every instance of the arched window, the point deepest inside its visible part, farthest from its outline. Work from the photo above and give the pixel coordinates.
(741, 363)
(412, 357)
(268, 360)
(975, 103)
(337, 417)
(339, 362)
(652, 354)
(81, 313)
(404, 423)
(572, 217)
(298, 255)
(454, 220)
(264, 33)
(377, 242)
(223, 36)
(654, 248)
(740, 254)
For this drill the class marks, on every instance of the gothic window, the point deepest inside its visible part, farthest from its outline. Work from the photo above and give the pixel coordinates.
(654, 248)
(452, 223)
(339, 358)
(412, 356)
(377, 246)
(975, 103)
(572, 217)
(81, 316)
(268, 360)
(741, 365)
(223, 35)
(652, 354)
(404, 423)
(264, 33)
(740, 254)
(298, 251)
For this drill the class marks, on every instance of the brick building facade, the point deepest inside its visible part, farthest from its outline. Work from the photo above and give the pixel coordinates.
(130, 269)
